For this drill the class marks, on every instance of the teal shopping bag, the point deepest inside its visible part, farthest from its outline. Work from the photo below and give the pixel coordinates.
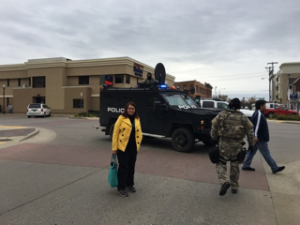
(113, 172)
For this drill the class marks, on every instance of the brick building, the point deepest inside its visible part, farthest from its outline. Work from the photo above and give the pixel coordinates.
(202, 90)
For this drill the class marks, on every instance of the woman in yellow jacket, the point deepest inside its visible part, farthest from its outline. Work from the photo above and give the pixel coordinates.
(126, 142)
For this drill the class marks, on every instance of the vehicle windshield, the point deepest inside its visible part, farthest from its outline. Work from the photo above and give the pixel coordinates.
(222, 105)
(189, 100)
(178, 99)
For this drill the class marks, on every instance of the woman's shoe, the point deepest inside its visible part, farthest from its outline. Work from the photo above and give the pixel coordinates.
(131, 189)
(122, 193)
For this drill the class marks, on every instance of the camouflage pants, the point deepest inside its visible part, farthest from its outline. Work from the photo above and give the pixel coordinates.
(229, 152)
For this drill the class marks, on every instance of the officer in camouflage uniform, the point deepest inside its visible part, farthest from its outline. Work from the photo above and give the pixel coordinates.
(149, 80)
(230, 127)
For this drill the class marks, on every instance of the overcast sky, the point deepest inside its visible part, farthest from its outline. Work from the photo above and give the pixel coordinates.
(225, 43)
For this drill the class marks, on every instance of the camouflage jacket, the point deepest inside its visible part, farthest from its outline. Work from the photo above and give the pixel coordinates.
(147, 81)
(232, 124)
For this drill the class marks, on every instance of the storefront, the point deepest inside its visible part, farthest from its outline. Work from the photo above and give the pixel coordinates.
(68, 86)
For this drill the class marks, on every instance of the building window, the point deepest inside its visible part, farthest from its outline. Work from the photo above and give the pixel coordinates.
(191, 87)
(184, 87)
(108, 80)
(39, 82)
(78, 103)
(19, 82)
(7, 83)
(196, 88)
(119, 79)
(84, 80)
(127, 79)
(29, 82)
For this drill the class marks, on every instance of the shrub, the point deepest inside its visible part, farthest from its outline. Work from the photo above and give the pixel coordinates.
(287, 117)
(84, 114)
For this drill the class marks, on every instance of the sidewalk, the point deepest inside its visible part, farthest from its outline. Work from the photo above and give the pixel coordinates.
(16, 133)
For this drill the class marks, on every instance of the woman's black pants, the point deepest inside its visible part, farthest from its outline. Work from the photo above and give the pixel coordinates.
(126, 168)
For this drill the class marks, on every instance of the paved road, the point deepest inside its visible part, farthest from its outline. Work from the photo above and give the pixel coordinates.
(60, 177)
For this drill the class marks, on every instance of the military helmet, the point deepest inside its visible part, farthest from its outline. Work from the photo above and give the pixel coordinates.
(235, 104)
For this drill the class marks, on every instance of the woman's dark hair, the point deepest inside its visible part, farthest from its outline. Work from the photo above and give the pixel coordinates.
(125, 113)
(259, 103)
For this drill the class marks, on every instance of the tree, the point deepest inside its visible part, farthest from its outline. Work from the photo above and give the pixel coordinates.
(252, 100)
(223, 97)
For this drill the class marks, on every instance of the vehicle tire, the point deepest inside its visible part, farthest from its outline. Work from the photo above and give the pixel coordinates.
(49, 114)
(183, 140)
(208, 143)
(29, 116)
(44, 115)
(111, 130)
(270, 114)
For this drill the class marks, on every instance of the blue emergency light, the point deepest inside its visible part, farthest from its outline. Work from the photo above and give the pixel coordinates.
(163, 86)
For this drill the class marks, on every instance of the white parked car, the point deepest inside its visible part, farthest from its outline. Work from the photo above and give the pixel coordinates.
(37, 109)
(213, 104)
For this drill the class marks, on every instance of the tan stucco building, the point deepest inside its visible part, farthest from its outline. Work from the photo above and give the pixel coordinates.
(202, 90)
(285, 82)
(65, 85)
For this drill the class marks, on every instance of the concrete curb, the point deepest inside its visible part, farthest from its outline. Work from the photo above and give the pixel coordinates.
(30, 135)
(86, 118)
(18, 115)
(289, 122)
(5, 139)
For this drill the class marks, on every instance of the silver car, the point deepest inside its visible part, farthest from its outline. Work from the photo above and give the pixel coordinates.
(37, 109)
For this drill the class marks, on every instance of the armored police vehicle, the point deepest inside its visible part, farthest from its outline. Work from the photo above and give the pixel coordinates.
(165, 112)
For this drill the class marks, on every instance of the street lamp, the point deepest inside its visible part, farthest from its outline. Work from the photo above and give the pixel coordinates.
(3, 98)
(220, 91)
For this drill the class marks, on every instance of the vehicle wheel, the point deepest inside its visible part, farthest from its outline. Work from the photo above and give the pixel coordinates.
(44, 115)
(29, 116)
(111, 130)
(183, 140)
(49, 114)
(270, 114)
(208, 143)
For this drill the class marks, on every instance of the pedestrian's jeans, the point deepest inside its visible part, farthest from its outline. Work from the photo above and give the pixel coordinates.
(264, 150)
(126, 168)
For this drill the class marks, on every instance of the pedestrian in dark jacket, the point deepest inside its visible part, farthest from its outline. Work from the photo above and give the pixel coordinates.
(261, 133)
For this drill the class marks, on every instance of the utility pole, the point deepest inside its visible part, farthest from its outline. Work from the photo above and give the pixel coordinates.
(215, 91)
(271, 74)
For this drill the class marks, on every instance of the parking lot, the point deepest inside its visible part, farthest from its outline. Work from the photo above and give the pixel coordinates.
(59, 176)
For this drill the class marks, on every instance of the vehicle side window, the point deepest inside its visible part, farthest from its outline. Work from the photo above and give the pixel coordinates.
(276, 107)
(271, 106)
(151, 101)
(283, 108)
(208, 104)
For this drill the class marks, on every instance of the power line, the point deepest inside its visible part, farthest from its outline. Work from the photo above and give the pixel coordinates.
(245, 74)
(249, 91)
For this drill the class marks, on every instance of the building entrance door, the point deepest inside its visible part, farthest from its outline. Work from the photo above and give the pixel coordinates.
(39, 99)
